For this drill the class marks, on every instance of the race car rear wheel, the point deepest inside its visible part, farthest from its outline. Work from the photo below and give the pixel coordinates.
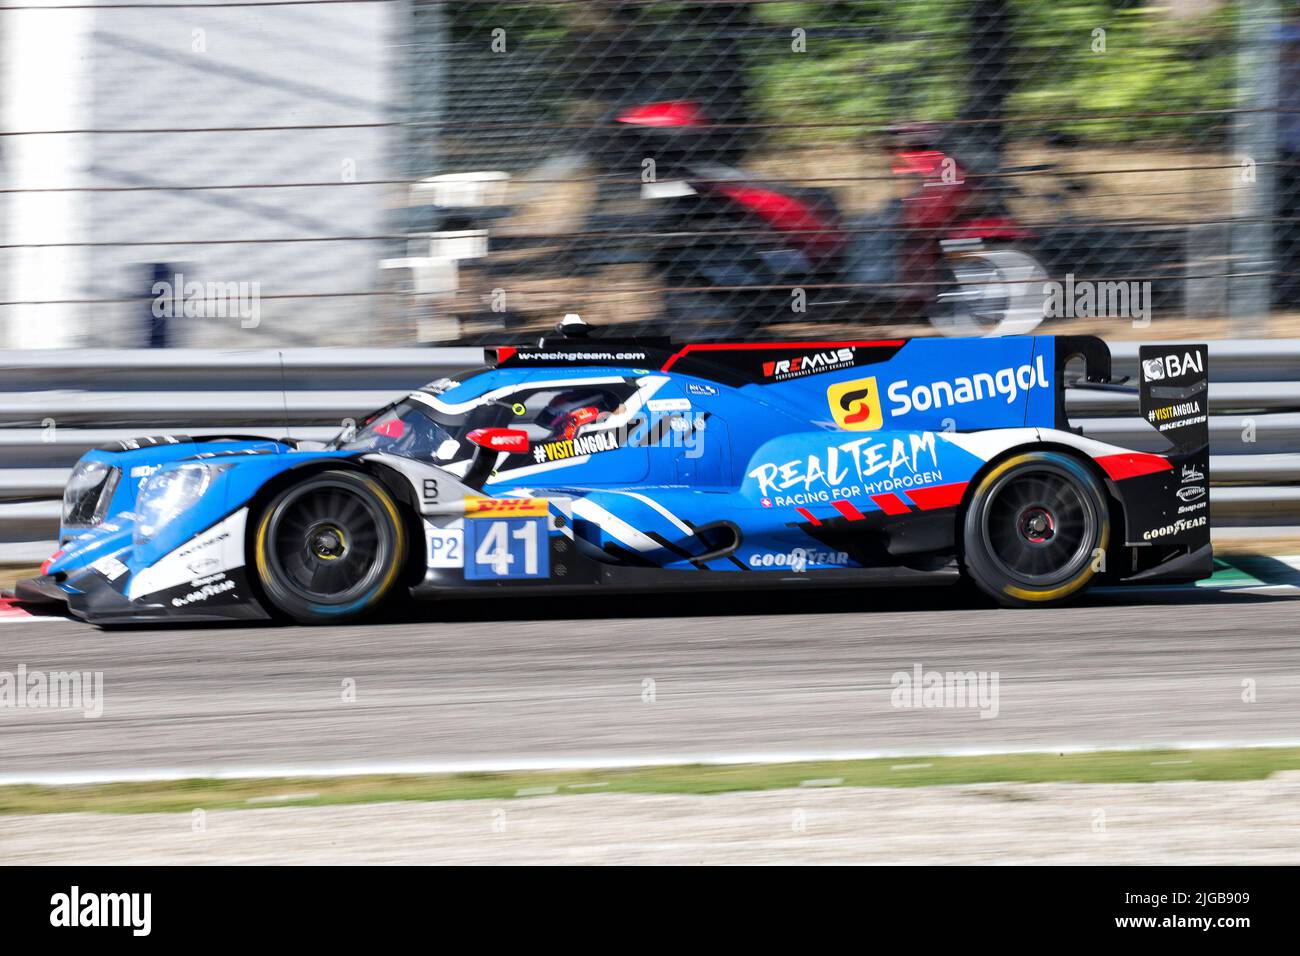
(1036, 529)
(330, 548)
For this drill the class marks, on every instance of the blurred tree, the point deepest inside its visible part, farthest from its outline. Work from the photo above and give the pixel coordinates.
(990, 53)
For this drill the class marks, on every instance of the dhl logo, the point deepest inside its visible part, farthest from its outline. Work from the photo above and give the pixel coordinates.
(505, 507)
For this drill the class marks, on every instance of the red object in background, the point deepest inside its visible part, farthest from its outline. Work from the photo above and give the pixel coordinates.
(943, 194)
(666, 113)
(943, 188)
(513, 441)
(787, 214)
(1006, 229)
(393, 428)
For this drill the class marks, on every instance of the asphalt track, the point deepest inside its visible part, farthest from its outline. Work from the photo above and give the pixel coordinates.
(568, 682)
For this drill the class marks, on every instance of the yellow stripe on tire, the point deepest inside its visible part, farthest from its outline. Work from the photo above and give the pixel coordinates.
(381, 494)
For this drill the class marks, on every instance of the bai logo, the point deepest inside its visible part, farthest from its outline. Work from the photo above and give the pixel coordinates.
(809, 364)
(75, 908)
(856, 405)
(1171, 366)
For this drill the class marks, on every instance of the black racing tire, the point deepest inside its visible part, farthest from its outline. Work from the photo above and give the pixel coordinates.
(330, 549)
(1036, 530)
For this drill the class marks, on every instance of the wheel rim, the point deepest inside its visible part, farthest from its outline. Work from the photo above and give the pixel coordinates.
(327, 544)
(994, 292)
(1040, 526)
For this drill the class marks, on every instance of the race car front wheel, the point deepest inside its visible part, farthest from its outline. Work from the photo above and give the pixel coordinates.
(1036, 530)
(330, 549)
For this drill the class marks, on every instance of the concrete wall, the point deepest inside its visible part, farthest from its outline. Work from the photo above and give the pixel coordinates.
(213, 68)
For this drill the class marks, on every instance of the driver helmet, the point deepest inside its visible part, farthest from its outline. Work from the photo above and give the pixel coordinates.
(569, 411)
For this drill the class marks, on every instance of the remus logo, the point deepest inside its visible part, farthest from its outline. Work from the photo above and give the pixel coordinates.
(809, 363)
(856, 405)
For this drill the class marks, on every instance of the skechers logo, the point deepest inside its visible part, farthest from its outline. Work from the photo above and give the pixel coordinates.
(809, 364)
(1010, 382)
(855, 405)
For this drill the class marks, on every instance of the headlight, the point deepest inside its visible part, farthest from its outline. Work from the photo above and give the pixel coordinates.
(166, 494)
(88, 492)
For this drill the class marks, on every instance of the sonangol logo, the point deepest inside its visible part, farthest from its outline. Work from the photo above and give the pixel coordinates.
(855, 405)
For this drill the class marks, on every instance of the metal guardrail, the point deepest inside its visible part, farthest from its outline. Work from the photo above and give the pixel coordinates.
(55, 404)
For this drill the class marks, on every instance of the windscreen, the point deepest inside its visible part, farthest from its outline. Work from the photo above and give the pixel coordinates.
(414, 431)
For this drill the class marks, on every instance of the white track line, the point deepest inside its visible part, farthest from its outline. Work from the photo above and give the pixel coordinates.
(513, 764)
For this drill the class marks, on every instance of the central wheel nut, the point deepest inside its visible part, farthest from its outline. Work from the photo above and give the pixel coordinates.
(328, 544)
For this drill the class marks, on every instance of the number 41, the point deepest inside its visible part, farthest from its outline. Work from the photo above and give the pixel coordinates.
(494, 550)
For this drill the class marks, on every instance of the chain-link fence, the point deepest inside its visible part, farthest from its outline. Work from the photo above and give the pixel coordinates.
(393, 171)
(716, 168)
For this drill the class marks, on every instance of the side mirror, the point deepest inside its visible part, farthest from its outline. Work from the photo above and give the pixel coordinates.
(513, 441)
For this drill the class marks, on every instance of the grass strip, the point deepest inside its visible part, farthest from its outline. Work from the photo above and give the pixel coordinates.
(1098, 767)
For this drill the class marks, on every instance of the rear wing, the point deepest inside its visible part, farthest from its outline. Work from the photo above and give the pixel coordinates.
(1173, 394)
(1173, 507)
(1095, 355)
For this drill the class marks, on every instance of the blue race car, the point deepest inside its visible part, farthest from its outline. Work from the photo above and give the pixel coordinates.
(585, 463)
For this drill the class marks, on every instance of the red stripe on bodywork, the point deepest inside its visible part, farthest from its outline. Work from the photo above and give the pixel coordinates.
(938, 496)
(9, 609)
(807, 515)
(1132, 464)
(850, 512)
(890, 504)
